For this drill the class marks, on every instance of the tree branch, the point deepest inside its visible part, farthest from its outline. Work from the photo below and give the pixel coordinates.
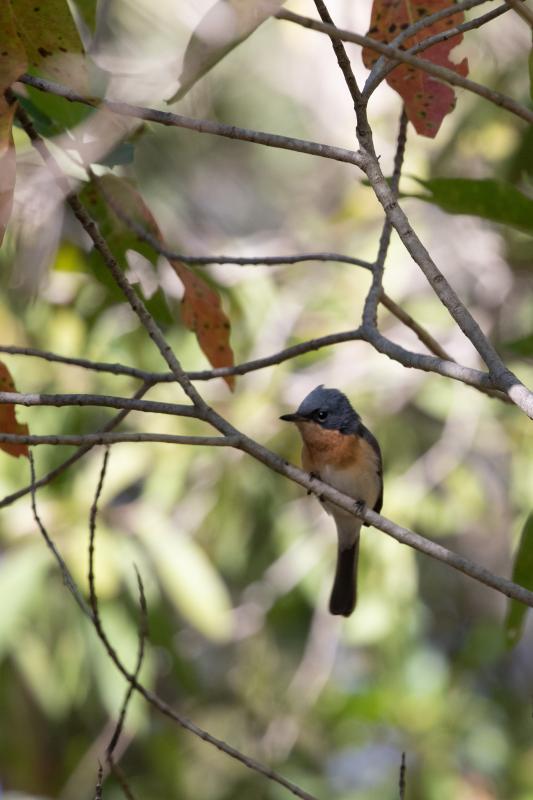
(93, 439)
(383, 66)
(402, 56)
(49, 477)
(99, 401)
(374, 295)
(198, 125)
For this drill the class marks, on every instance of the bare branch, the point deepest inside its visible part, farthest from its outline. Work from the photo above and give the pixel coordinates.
(374, 295)
(262, 454)
(522, 10)
(402, 783)
(68, 580)
(49, 477)
(383, 66)
(501, 376)
(115, 438)
(84, 363)
(198, 125)
(99, 401)
(442, 73)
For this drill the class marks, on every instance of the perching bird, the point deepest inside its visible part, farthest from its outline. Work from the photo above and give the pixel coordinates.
(338, 449)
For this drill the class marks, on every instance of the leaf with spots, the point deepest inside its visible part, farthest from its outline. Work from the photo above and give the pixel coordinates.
(124, 215)
(8, 164)
(51, 40)
(8, 420)
(13, 60)
(426, 99)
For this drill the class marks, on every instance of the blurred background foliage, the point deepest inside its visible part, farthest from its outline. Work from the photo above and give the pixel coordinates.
(237, 563)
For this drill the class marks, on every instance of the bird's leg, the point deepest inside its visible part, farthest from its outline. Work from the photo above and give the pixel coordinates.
(312, 475)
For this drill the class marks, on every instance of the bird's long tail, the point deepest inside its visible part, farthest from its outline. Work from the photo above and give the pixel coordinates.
(344, 592)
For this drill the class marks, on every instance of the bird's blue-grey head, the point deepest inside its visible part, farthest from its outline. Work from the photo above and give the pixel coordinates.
(329, 408)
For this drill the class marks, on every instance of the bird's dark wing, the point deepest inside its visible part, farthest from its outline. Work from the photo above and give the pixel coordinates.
(373, 442)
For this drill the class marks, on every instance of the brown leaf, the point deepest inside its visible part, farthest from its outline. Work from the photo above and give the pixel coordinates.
(8, 164)
(8, 420)
(427, 100)
(201, 308)
(202, 313)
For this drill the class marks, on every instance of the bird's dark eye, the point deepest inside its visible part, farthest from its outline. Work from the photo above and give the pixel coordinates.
(321, 415)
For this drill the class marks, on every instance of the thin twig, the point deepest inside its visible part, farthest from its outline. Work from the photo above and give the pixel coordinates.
(68, 580)
(93, 439)
(402, 56)
(98, 401)
(49, 477)
(98, 795)
(383, 66)
(403, 773)
(522, 10)
(370, 310)
(257, 451)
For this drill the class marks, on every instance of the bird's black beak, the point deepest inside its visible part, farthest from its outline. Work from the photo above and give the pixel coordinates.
(293, 417)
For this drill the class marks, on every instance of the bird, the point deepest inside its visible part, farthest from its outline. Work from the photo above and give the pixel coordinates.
(338, 449)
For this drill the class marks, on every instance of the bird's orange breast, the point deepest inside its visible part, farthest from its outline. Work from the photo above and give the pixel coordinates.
(323, 447)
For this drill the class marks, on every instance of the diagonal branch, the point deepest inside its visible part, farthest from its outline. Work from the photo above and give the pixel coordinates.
(253, 448)
(383, 66)
(442, 73)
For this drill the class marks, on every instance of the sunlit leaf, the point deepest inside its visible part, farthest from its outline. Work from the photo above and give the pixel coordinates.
(51, 40)
(8, 164)
(226, 24)
(22, 570)
(494, 200)
(188, 577)
(13, 60)
(426, 99)
(523, 575)
(8, 420)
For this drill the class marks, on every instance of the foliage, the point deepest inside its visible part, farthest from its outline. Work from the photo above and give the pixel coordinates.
(235, 560)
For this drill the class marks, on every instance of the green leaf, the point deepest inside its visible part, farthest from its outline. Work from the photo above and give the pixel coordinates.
(87, 10)
(522, 346)
(494, 200)
(8, 164)
(13, 60)
(51, 40)
(187, 576)
(523, 575)
(226, 24)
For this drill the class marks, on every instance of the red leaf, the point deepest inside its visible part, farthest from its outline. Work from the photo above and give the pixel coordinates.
(202, 313)
(8, 420)
(8, 164)
(427, 100)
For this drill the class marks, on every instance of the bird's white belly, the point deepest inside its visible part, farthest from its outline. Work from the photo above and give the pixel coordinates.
(359, 484)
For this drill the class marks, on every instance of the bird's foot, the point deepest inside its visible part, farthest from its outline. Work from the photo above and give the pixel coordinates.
(359, 506)
(312, 475)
